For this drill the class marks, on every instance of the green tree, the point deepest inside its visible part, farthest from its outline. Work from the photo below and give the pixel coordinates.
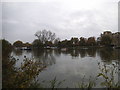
(22, 77)
(106, 40)
(63, 43)
(27, 44)
(75, 41)
(69, 43)
(48, 43)
(91, 41)
(37, 44)
(56, 42)
(18, 44)
(6, 46)
(82, 41)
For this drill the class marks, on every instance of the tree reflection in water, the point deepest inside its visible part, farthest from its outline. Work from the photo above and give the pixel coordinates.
(109, 54)
(106, 54)
(17, 52)
(82, 53)
(91, 52)
(46, 57)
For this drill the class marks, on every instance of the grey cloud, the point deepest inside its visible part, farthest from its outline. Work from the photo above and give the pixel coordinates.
(22, 20)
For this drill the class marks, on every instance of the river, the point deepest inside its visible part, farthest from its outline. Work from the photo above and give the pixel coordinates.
(70, 65)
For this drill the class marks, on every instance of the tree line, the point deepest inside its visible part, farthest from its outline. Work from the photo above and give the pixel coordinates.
(47, 39)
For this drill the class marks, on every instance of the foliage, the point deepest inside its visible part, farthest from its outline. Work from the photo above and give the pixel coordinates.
(22, 77)
(91, 41)
(82, 41)
(27, 44)
(63, 43)
(56, 41)
(18, 44)
(90, 84)
(48, 43)
(37, 43)
(6, 46)
(55, 83)
(106, 40)
(75, 41)
(108, 74)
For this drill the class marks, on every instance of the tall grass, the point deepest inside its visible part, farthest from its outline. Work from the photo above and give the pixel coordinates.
(108, 73)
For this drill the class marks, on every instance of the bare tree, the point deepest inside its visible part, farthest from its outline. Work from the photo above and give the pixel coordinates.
(45, 35)
(56, 40)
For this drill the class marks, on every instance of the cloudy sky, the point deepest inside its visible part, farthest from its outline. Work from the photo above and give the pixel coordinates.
(67, 18)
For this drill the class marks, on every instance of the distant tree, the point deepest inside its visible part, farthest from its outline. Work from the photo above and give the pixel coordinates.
(59, 44)
(18, 44)
(69, 43)
(27, 44)
(63, 43)
(6, 46)
(91, 41)
(74, 41)
(56, 41)
(82, 41)
(98, 41)
(36, 43)
(106, 40)
(48, 43)
(45, 35)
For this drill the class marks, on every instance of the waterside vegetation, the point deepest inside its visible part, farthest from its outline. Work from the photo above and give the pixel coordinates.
(47, 39)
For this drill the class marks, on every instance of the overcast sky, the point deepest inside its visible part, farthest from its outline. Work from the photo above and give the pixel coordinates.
(66, 18)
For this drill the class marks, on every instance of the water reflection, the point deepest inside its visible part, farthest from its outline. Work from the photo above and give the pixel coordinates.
(57, 52)
(48, 57)
(71, 64)
(82, 53)
(91, 52)
(44, 56)
(17, 52)
(105, 54)
(109, 54)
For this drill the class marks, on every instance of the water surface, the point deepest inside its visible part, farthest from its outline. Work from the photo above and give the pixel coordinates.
(70, 65)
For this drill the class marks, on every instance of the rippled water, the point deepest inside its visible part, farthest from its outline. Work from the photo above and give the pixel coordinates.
(70, 65)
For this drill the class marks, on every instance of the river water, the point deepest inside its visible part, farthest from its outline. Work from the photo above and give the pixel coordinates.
(71, 65)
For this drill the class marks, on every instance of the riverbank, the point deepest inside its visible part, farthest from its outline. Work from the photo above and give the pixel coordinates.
(66, 48)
